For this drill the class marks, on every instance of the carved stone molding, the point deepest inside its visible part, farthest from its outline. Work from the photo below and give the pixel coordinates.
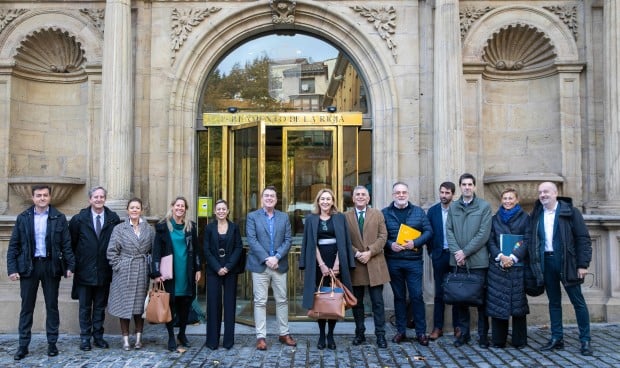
(568, 15)
(62, 186)
(7, 16)
(97, 17)
(283, 11)
(50, 51)
(469, 15)
(384, 20)
(519, 48)
(183, 23)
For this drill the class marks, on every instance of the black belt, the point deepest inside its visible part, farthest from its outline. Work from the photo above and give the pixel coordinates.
(445, 250)
(549, 254)
(40, 259)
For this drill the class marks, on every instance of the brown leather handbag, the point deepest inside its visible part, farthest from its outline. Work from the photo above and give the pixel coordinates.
(328, 302)
(158, 307)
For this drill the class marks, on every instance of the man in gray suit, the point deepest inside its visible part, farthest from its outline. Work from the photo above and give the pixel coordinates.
(269, 237)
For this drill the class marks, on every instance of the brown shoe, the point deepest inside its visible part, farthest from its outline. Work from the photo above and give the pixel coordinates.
(457, 332)
(261, 344)
(437, 333)
(287, 340)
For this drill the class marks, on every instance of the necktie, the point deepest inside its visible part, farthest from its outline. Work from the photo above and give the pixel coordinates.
(360, 222)
(98, 225)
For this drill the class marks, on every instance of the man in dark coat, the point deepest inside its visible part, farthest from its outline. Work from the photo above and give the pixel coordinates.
(560, 252)
(439, 252)
(90, 234)
(39, 252)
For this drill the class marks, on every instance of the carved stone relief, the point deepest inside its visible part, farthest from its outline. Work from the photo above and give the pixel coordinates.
(568, 15)
(97, 17)
(7, 16)
(519, 47)
(469, 15)
(283, 11)
(384, 20)
(50, 51)
(183, 23)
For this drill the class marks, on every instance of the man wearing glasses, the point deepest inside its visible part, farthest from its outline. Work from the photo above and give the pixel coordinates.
(405, 261)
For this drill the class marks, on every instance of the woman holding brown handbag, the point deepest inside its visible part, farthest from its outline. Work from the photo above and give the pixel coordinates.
(326, 247)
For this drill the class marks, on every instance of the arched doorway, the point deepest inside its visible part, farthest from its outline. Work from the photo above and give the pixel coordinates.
(289, 111)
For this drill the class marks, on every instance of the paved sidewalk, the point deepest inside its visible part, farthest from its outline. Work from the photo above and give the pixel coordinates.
(440, 353)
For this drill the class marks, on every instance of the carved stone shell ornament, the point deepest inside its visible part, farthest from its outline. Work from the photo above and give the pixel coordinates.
(50, 51)
(519, 48)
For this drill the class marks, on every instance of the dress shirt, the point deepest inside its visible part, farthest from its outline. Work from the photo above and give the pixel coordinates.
(549, 222)
(444, 220)
(40, 230)
(94, 215)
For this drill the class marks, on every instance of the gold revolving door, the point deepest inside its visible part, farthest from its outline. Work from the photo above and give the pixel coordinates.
(298, 153)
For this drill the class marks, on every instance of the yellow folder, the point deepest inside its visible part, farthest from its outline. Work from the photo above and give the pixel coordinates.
(407, 233)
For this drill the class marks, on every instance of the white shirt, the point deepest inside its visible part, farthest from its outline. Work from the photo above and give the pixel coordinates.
(549, 219)
(95, 214)
(444, 220)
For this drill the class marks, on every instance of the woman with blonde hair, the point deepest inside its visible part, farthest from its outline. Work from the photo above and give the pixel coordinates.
(326, 248)
(176, 235)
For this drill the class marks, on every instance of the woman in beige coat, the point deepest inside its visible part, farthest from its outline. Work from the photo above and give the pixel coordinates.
(368, 235)
(128, 252)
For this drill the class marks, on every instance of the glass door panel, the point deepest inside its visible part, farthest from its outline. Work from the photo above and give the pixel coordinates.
(308, 166)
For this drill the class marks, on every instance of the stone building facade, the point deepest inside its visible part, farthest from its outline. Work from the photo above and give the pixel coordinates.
(515, 92)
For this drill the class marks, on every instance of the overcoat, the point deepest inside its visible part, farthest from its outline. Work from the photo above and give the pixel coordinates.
(128, 254)
(375, 272)
(506, 291)
(307, 258)
(162, 247)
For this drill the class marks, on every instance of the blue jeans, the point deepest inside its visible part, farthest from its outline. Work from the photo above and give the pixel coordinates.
(554, 294)
(406, 275)
(441, 266)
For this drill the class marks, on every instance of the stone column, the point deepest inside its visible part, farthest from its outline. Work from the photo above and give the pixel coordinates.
(117, 153)
(611, 45)
(448, 135)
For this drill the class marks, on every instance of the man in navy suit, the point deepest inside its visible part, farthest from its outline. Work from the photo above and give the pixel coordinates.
(440, 255)
(269, 238)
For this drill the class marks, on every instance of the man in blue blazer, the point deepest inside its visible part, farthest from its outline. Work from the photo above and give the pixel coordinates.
(269, 238)
(440, 255)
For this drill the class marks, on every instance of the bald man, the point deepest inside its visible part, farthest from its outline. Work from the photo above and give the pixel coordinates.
(560, 252)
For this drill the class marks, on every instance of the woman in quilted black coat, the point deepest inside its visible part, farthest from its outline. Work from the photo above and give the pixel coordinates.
(506, 293)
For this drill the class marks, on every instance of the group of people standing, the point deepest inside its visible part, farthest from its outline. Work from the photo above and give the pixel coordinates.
(112, 262)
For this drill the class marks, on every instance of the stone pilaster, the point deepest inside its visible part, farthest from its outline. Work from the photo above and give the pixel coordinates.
(117, 105)
(448, 72)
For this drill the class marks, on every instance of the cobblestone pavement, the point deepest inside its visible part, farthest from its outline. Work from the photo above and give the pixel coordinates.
(440, 353)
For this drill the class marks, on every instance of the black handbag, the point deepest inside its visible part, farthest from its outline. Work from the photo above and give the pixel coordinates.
(463, 288)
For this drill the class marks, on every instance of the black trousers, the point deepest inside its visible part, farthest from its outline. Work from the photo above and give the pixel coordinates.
(462, 312)
(378, 310)
(221, 297)
(93, 301)
(29, 287)
(499, 331)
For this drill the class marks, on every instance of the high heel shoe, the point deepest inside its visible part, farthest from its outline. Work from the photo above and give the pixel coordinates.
(138, 344)
(183, 341)
(172, 344)
(126, 345)
(331, 344)
(321, 344)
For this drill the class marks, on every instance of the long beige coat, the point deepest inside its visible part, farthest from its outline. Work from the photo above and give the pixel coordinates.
(375, 272)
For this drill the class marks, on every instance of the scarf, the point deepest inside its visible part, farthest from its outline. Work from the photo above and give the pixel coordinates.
(505, 215)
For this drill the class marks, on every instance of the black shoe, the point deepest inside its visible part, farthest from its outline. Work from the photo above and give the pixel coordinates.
(586, 349)
(183, 341)
(422, 340)
(398, 338)
(553, 344)
(172, 344)
(359, 340)
(483, 342)
(381, 343)
(85, 345)
(52, 350)
(321, 344)
(461, 340)
(101, 343)
(331, 344)
(22, 351)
